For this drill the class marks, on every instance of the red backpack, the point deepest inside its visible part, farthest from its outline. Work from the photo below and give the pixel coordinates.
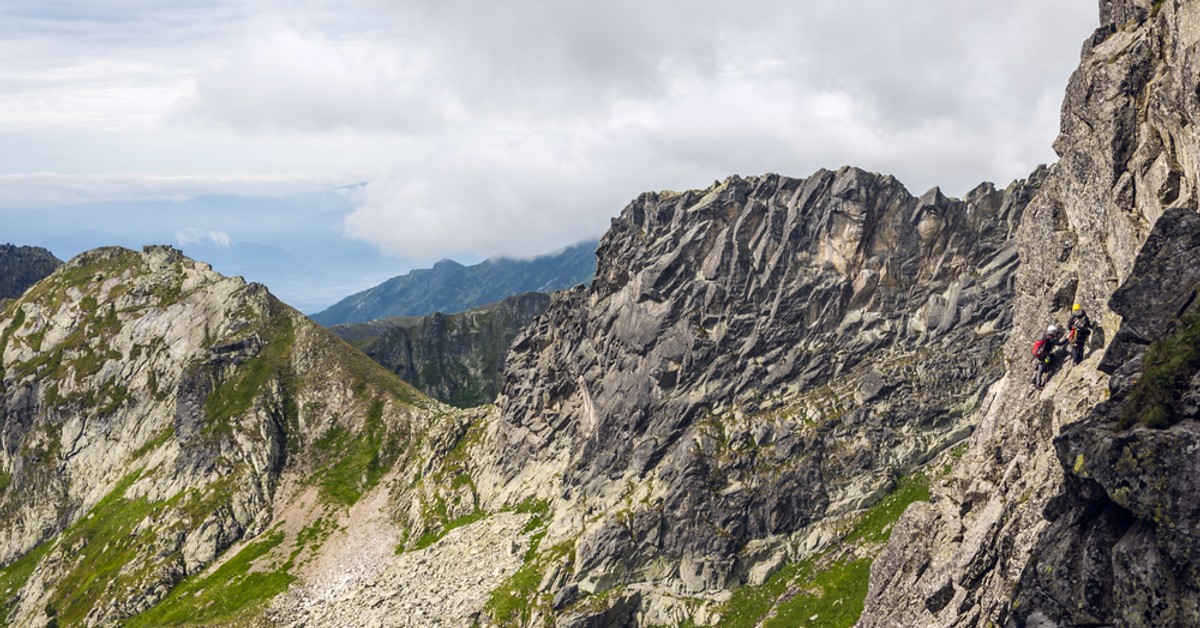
(1038, 346)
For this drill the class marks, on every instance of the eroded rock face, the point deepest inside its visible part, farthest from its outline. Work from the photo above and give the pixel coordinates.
(753, 357)
(1128, 151)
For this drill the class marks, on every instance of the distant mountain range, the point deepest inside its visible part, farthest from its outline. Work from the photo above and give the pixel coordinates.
(451, 287)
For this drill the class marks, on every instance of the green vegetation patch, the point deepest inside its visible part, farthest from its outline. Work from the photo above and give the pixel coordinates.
(1169, 363)
(314, 535)
(813, 592)
(514, 602)
(235, 395)
(875, 525)
(101, 544)
(749, 604)
(107, 553)
(363, 344)
(367, 373)
(429, 538)
(835, 598)
(155, 442)
(5, 480)
(230, 592)
(452, 490)
(113, 398)
(14, 577)
(454, 470)
(356, 462)
(18, 319)
(828, 589)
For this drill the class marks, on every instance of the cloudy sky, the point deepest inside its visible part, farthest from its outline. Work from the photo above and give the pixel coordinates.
(391, 133)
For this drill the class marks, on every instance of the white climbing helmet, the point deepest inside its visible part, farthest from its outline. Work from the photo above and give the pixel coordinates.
(1052, 330)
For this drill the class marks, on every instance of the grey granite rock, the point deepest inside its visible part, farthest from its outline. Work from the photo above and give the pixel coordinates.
(1128, 152)
(763, 354)
(1123, 546)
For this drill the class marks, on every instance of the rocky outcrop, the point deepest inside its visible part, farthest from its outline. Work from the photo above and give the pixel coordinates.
(454, 358)
(1128, 151)
(750, 359)
(149, 412)
(450, 287)
(1122, 544)
(23, 266)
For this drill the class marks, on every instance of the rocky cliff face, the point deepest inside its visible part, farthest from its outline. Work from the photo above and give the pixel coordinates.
(1128, 152)
(750, 360)
(455, 358)
(1122, 547)
(151, 413)
(23, 266)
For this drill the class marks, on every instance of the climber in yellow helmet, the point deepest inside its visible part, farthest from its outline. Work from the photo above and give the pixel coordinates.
(1080, 327)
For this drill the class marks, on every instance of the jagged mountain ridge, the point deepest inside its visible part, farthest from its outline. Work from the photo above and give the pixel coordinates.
(23, 266)
(455, 358)
(787, 314)
(450, 287)
(869, 269)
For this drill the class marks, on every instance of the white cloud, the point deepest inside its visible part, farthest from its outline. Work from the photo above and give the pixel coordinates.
(516, 195)
(280, 76)
(574, 110)
(514, 128)
(192, 235)
(39, 190)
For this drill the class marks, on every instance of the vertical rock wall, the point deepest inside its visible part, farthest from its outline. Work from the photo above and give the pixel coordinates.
(1128, 150)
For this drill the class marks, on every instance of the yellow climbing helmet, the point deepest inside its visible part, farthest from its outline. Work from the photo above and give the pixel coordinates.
(1076, 308)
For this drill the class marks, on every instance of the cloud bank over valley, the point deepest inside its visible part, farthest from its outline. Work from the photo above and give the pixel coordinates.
(411, 131)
